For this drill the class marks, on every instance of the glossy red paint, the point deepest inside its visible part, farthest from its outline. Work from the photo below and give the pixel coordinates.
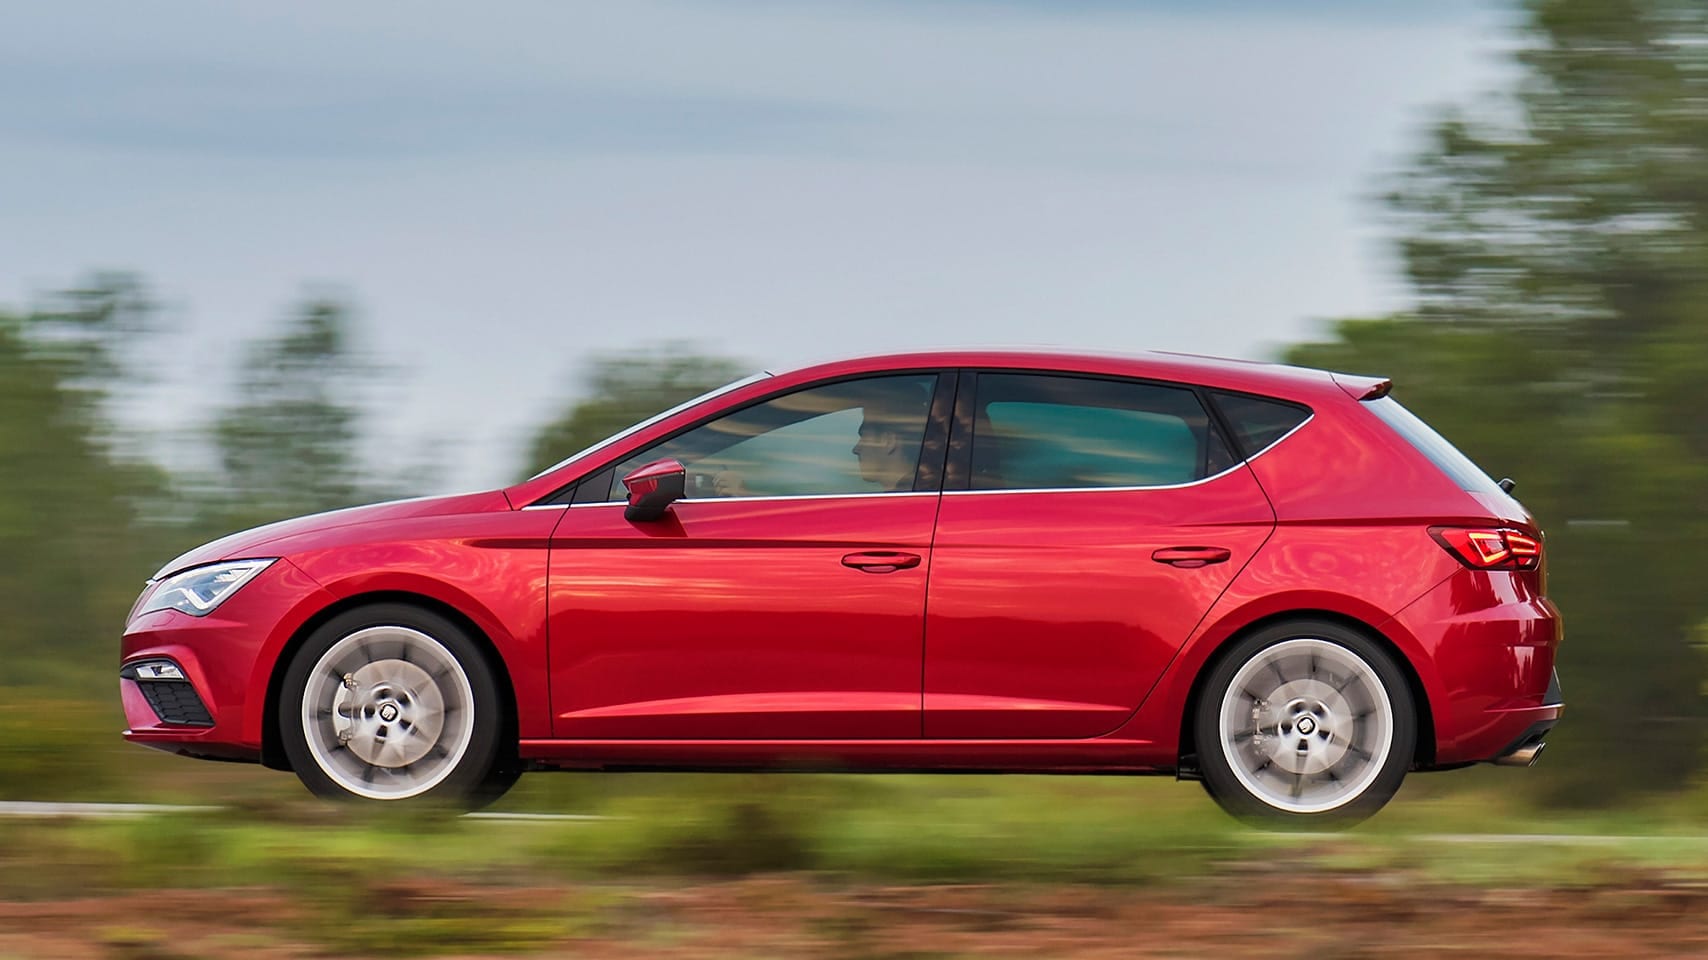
(740, 619)
(1016, 630)
(1049, 616)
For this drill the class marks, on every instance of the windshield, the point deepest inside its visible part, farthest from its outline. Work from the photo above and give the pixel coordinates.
(673, 411)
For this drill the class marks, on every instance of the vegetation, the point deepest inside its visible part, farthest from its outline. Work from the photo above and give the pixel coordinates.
(1558, 244)
(625, 388)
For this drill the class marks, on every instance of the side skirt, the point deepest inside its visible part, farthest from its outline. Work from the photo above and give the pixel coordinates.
(1104, 755)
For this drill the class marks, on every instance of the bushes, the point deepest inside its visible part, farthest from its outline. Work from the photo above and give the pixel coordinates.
(58, 749)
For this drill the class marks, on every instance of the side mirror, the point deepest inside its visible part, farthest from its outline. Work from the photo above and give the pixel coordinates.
(653, 488)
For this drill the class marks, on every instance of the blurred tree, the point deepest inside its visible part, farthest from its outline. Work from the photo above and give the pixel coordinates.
(1558, 245)
(70, 563)
(291, 442)
(626, 388)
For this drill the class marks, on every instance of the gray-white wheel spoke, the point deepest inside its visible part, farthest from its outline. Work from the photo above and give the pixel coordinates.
(1306, 725)
(388, 712)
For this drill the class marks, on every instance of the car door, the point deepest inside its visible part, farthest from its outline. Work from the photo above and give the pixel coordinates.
(781, 599)
(1088, 525)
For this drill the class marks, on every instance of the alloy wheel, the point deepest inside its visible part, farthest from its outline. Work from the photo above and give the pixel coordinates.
(388, 712)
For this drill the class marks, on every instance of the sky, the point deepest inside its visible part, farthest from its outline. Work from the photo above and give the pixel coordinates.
(506, 189)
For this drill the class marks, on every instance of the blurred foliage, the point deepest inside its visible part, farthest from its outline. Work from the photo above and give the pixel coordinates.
(1558, 244)
(291, 442)
(68, 565)
(623, 389)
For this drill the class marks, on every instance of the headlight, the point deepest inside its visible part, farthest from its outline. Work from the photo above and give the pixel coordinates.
(198, 591)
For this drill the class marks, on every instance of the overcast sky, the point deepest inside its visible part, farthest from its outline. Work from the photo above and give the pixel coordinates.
(503, 188)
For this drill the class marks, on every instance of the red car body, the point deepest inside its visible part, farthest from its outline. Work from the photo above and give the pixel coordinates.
(1016, 630)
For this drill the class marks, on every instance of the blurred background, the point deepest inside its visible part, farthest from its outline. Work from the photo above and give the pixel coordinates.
(261, 261)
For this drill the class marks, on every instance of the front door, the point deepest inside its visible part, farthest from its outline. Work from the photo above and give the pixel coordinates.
(1099, 521)
(782, 599)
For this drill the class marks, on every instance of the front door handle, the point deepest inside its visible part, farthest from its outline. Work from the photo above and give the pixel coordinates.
(881, 561)
(1191, 556)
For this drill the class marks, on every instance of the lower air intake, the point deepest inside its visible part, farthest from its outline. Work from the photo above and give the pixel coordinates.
(175, 701)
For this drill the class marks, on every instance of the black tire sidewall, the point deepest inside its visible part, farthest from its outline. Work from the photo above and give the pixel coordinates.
(1219, 778)
(464, 782)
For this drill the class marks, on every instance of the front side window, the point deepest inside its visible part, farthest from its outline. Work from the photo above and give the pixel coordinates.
(857, 436)
(1046, 432)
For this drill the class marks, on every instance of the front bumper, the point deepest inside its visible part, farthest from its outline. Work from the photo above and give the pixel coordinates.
(226, 662)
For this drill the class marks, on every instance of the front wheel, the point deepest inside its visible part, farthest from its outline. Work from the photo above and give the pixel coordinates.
(1305, 723)
(391, 702)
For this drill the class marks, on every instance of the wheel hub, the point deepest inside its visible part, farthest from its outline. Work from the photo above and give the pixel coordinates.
(1305, 725)
(388, 713)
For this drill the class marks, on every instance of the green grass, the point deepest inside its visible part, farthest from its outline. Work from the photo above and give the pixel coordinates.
(428, 882)
(904, 829)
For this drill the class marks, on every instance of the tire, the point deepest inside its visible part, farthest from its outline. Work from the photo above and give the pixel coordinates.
(1305, 725)
(497, 783)
(391, 703)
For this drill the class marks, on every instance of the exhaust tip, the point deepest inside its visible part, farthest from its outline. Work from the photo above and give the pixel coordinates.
(1523, 757)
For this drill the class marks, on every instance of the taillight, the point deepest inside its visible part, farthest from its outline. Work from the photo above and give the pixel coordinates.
(1490, 549)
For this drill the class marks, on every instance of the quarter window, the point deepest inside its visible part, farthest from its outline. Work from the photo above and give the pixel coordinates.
(1257, 422)
(857, 436)
(1040, 432)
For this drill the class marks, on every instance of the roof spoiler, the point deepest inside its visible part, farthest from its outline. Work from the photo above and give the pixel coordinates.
(1363, 388)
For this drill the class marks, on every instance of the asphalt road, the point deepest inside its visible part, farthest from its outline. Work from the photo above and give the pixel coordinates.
(121, 811)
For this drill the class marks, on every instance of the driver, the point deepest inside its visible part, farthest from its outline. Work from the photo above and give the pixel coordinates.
(891, 426)
(888, 448)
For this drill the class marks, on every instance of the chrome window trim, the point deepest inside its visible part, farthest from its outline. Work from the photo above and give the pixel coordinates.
(795, 496)
(961, 493)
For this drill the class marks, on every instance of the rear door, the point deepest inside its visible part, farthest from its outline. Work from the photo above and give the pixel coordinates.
(1087, 527)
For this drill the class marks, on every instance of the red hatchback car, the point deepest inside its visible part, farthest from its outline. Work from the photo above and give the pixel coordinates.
(1273, 580)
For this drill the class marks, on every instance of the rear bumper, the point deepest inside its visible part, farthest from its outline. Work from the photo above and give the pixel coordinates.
(1489, 666)
(1527, 748)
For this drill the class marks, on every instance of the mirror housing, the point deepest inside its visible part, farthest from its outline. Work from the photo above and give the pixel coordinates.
(653, 488)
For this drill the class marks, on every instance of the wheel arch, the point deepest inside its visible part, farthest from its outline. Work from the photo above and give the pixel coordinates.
(1423, 754)
(272, 743)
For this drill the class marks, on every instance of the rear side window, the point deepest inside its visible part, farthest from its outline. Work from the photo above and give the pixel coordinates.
(1433, 445)
(1045, 432)
(1258, 422)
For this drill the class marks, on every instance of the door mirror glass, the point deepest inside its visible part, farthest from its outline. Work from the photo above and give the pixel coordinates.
(653, 488)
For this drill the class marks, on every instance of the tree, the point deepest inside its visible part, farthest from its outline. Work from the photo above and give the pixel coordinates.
(626, 388)
(69, 562)
(290, 443)
(1558, 246)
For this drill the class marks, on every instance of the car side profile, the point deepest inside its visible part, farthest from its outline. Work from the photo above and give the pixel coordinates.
(1273, 580)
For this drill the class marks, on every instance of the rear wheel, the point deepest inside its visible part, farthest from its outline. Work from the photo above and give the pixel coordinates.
(1306, 723)
(391, 702)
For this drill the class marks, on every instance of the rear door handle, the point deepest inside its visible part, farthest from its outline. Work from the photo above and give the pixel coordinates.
(881, 561)
(1191, 556)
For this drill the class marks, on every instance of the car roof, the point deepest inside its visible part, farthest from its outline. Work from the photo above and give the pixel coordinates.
(1249, 376)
